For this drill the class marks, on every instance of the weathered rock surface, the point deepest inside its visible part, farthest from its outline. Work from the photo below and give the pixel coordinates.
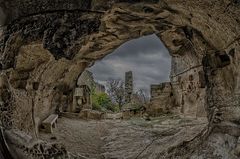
(150, 139)
(45, 45)
(24, 146)
(135, 138)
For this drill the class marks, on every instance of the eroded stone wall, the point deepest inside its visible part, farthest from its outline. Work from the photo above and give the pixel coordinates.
(189, 89)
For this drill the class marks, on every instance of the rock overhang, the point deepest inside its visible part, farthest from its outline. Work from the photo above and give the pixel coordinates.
(172, 21)
(76, 33)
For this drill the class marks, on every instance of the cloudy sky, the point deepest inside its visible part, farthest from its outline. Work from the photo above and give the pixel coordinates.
(147, 57)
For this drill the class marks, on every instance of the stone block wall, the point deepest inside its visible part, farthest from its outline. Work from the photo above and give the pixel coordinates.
(185, 94)
(162, 99)
(157, 90)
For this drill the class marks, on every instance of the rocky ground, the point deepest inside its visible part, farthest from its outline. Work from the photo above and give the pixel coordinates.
(124, 139)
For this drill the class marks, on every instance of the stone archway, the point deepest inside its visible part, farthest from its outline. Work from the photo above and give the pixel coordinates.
(45, 44)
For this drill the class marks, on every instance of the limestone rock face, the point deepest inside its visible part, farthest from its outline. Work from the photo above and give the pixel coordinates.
(45, 45)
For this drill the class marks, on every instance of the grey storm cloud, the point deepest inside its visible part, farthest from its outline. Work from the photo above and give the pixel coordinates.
(147, 57)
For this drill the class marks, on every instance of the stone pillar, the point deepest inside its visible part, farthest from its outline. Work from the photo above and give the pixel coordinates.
(128, 86)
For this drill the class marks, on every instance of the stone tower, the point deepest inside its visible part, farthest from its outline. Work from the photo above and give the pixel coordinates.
(128, 86)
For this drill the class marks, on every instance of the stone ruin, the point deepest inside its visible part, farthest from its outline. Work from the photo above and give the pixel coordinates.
(46, 44)
(133, 107)
(128, 86)
(82, 93)
(162, 100)
(81, 106)
(185, 94)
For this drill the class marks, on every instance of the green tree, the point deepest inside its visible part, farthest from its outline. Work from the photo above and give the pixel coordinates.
(101, 102)
(95, 103)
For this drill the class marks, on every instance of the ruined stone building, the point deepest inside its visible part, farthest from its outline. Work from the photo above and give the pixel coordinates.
(128, 86)
(162, 100)
(82, 94)
(185, 94)
(82, 97)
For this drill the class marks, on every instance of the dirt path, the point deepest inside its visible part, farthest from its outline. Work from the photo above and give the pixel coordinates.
(116, 139)
(80, 137)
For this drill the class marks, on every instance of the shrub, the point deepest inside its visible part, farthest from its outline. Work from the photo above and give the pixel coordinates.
(101, 102)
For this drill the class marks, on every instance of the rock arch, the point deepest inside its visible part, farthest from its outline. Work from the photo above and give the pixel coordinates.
(44, 45)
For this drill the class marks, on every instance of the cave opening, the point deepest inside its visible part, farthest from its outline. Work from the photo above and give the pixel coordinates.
(172, 88)
(147, 60)
(181, 93)
(44, 46)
